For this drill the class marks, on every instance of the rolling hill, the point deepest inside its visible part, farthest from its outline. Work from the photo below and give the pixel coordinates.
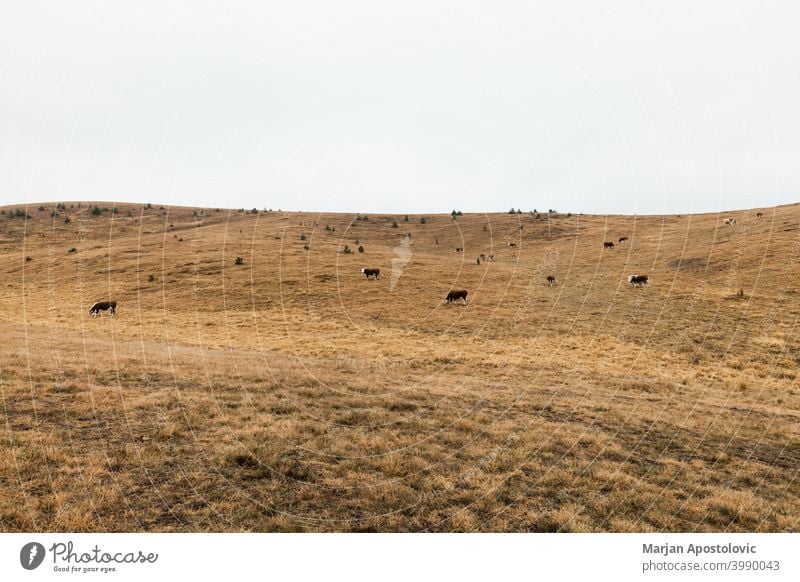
(254, 380)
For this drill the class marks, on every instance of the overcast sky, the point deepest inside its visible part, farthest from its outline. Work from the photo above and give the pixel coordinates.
(595, 107)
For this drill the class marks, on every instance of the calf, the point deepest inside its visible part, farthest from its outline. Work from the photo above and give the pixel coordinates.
(637, 280)
(551, 280)
(512, 244)
(623, 239)
(760, 215)
(371, 273)
(454, 296)
(110, 306)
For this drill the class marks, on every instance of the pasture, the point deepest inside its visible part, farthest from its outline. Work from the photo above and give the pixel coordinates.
(253, 379)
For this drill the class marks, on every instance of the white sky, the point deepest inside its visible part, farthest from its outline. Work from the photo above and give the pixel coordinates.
(596, 107)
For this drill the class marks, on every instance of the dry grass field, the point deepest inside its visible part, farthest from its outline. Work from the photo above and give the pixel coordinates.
(289, 393)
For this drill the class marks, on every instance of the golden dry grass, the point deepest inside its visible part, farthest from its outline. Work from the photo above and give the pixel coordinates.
(290, 394)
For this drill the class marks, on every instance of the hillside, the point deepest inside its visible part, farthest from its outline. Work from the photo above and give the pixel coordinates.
(290, 393)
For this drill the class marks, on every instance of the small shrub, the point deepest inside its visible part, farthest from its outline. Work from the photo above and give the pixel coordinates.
(148, 206)
(238, 261)
(54, 214)
(97, 211)
(423, 220)
(512, 211)
(28, 259)
(360, 249)
(347, 250)
(306, 247)
(394, 225)
(151, 277)
(67, 220)
(303, 236)
(72, 250)
(41, 209)
(254, 211)
(406, 218)
(61, 206)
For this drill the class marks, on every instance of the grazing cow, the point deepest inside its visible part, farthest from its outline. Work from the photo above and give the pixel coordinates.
(110, 306)
(760, 215)
(454, 296)
(371, 273)
(459, 249)
(491, 257)
(637, 280)
(482, 257)
(608, 245)
(729, 221)
(512, 244)
(623, 239)
(551, 280)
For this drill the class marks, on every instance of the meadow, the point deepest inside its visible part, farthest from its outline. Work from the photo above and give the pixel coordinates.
(254, 380)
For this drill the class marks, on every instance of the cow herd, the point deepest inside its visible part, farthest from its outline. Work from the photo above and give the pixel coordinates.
(453, 296)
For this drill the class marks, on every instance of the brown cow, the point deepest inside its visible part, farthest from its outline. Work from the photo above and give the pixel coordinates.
(371, 273)
(454, 296)
(551, 280)
(110, 306)
(608, 245)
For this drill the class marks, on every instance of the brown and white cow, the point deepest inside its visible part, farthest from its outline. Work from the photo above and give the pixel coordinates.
(454, 296)
(551, 280)
(637, 280)
(623, 240)
(110, 306)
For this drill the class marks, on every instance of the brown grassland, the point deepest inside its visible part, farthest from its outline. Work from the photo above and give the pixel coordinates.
(289, 393)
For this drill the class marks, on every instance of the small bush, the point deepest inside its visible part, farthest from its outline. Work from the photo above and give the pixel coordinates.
(512, 211)
(394, 225)
(423, 220)
(306, 247)
(97, 211)
(303, 236)
(54, 214)
(360, 249)
(41, 209)
(72, 250)
(238, 261)
(406, 218)
(151, 277)
(67, 220)
(27, 259)
(61, 206)
(254, 211)
(148, 206)
(347, 250)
